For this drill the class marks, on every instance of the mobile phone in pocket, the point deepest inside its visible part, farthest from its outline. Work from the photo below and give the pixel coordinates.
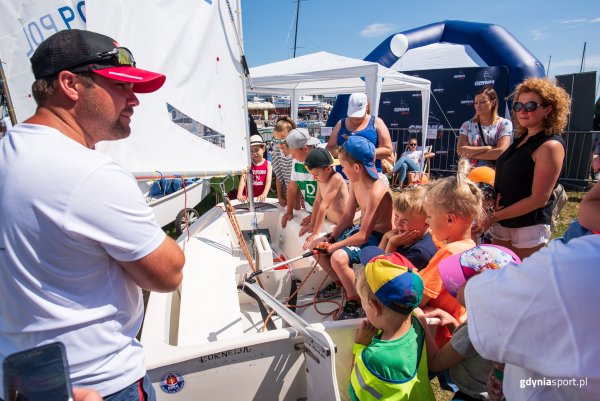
(37, 374)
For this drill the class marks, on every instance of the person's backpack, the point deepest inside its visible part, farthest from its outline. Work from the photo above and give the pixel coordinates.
(560, 200)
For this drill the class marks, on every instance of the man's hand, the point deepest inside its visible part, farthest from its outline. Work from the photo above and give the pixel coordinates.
(286, 217)
(85, 394)
(364, 333)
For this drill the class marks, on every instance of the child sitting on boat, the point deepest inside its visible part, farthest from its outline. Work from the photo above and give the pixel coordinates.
(390, 356)
(332, 193)
(469, 371)
(410, 236)
(366, 191)
(300, 143)
(452, 204)
(261, 172)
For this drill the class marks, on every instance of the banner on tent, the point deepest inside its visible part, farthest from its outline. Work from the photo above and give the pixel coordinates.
(453, 91)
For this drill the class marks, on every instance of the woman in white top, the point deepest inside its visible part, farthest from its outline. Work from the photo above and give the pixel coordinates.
(487, 135)
(410, 160)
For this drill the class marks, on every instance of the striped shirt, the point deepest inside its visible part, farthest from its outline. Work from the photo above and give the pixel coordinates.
(282, 167)
(306, 182)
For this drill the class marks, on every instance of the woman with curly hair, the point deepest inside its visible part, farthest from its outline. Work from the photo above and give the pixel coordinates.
(527, 172)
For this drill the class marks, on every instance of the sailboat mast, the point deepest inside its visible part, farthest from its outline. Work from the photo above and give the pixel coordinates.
(582, 58)
(297, 18)
(549, 61)
(6, 94)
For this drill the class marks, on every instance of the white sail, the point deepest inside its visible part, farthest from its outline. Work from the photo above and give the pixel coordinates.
(194, 44)
(24, 25)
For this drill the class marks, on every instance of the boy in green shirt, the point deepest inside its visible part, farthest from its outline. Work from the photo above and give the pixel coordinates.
(389, 350)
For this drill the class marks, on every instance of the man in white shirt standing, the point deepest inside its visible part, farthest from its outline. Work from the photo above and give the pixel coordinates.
(77, 239)
(541, 318)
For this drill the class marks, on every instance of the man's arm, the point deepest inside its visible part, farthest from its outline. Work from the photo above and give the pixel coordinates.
(161, 270)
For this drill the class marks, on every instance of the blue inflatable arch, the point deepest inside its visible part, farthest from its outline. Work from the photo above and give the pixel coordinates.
(492, 43)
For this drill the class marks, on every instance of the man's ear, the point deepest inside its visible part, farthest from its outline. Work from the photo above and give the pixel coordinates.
(67, 82)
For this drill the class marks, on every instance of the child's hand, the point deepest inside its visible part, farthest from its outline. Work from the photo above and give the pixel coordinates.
(404, 239)
(320, 246)
(242, 198)
(310, 241)
(305, 220)
(364, 333)
(305, 229)
(445, 317)
(262, 197)
(286, 217)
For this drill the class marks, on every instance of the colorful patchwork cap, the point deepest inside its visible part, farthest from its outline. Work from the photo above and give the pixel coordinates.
(393, 280)
(457, 269)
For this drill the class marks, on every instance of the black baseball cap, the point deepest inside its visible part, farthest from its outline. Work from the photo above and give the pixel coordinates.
(319, 157)
(78, 50)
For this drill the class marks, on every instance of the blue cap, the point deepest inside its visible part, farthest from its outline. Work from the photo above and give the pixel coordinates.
(363, 151)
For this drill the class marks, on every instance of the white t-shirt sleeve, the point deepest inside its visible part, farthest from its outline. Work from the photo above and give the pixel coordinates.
(541, 315)
(108, 207)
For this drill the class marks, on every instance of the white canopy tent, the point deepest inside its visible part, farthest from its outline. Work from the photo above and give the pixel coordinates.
(326, 73)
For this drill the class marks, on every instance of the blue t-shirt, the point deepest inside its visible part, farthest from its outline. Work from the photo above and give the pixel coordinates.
(421, 252)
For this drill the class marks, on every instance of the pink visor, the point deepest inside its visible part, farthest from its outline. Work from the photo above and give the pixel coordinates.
(455, 270)
(143, 81)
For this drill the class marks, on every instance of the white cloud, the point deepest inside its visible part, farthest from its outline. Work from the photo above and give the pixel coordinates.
(538, 34)
(377, 29)
(579, 21)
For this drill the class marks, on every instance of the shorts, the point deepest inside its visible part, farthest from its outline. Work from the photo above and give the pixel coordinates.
(522, 237)
(353, 252)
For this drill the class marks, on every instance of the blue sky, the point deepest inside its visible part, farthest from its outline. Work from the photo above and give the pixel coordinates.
(354, 28)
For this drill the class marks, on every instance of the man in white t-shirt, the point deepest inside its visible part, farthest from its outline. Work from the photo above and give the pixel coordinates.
(541, 318)
(77, 239)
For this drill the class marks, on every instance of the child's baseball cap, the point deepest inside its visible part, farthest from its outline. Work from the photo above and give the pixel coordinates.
(393, 280)
(362, 150)
(319, 157)
(256, 140)
(357, 105)
(455, 270)
(299, 138)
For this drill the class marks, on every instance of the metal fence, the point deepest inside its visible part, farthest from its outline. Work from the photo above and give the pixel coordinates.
(576, 173)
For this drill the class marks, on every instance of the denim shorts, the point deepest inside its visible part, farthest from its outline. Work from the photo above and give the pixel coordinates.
(140, 390)
(522, 237)
(353, 252)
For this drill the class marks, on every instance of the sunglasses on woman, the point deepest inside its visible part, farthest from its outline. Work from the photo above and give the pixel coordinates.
(529, 106)
(412, 144)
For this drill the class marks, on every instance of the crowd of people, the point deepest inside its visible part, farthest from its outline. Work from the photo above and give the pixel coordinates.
(74, 258)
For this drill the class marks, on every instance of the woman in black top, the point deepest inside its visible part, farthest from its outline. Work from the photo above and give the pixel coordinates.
(528, 171)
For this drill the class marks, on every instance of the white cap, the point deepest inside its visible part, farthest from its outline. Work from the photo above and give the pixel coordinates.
(256, 140)
(357, 105)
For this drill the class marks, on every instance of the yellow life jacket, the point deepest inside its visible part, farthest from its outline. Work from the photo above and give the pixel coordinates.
(369, 387)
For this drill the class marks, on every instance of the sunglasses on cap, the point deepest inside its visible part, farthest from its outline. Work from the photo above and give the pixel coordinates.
(529, 106)
(119, 56)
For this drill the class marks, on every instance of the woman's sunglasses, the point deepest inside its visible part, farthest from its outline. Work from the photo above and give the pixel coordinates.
(412, 144)
(529, 106)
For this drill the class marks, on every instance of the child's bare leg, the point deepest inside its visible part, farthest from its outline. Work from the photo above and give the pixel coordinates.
(340, 264)
(325, 263)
